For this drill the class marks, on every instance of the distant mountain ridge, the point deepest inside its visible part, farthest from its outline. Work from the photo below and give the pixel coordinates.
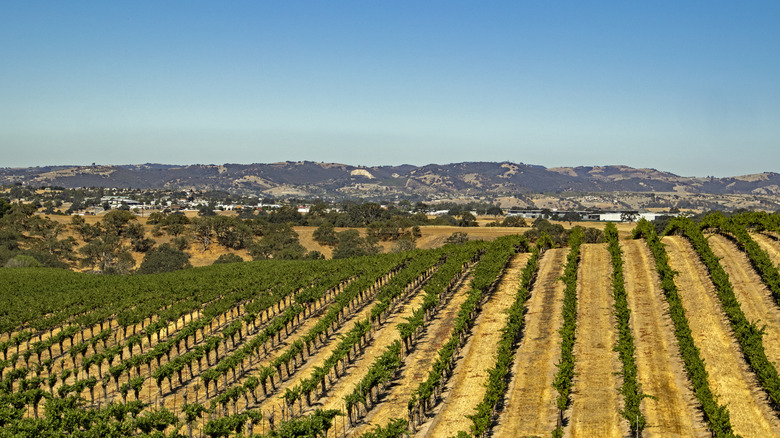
(307, 178)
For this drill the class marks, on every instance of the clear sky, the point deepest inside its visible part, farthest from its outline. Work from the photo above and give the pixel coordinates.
(685, 86)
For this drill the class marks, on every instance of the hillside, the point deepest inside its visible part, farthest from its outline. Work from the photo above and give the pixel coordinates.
(330, 180)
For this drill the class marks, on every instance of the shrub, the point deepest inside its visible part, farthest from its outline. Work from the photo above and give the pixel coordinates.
(228, 258)
(23, 261)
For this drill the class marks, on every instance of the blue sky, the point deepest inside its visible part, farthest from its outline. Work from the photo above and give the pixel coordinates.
(688, 87)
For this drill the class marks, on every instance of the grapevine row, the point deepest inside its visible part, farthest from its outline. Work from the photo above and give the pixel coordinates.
(485, 275)
(748, 334)
(716, 415)
(563, 379)
(357, 292)
(632, 393)
(734, 228)
(497, 381)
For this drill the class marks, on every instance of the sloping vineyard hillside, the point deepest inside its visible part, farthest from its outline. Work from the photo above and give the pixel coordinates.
(655, 335)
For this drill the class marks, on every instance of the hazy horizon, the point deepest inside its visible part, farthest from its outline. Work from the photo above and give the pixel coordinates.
(358, 165)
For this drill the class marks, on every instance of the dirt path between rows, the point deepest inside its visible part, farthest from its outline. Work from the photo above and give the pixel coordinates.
(595, 398)
(729, 376)
(768, 244)
(393, 402)
(195, 388)
(273, 401)
(466, 386)
(529, 407)
(384, 336)
(674, 411)
(753, 296)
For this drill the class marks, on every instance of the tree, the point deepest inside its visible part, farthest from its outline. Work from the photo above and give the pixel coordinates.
(592, 235)
(116, 222)
(457, 238)
(403, 245)
(494, 211)
(228, 258)
(421, 207)
(363, 214)
(206, 210)
(557, 233)
(325, 234)
(86, 231)
(106, 254)
(44, 238)
(571, 216)
(285, 214)
(231, 232)
(201, 231)
(175, 224)
(352, 245)
(5, 206)
(514, 221)
(279, 242)
(467, 219)
(629, 216)
(164, 258)
(138, 239)
(180, 242)
(156, 218)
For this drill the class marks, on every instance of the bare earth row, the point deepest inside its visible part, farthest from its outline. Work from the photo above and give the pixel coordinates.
(672, 410)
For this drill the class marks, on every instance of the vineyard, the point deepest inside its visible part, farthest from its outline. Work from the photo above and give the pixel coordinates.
(673, 333)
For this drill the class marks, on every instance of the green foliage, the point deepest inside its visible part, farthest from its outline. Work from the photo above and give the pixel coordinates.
(280, 241)
(228, 258)
(592, 235)
(395, 428)
(22, 232)
(571, 216)
(457, 238)
(174, 224)
(466, 219)
(343, 302)
(514, 221)
(325, 235)
(180, 242)
(5, 207)
(563, 379)
(351, 244)
(116, 222)
(498, 376)
(403, 245)
(164, 258)
(315, 425)
(232, 232)
(555, 232)
(107, 254)
(23, 261)
(485, 274)
(156, 419)
(381, 371)
(202, 232)
(632, 393)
